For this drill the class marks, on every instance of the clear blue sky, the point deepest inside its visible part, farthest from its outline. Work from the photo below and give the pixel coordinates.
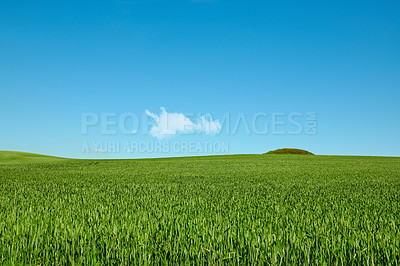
(340, 59)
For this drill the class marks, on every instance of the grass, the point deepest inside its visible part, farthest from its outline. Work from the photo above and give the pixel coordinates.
(241, 209)
(290, 151)
(7, 157)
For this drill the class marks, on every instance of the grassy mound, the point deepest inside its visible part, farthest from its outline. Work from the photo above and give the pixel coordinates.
(24, 157)
(290, 151)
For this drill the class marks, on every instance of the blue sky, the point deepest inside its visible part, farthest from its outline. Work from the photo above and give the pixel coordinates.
(338, 59)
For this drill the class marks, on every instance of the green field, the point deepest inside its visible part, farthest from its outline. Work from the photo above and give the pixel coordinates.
(239, 209)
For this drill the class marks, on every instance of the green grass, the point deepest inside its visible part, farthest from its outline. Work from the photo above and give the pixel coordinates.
(290, 151)
(241, 209)
(25, 157)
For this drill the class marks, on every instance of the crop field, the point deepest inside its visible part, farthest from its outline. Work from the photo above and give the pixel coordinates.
(237, 209)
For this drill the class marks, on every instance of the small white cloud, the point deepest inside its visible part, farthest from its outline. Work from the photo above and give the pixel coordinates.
(208, 125)
(169, 124)
(97, 150)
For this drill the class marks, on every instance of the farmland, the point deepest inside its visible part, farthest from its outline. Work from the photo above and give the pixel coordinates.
(236, 209)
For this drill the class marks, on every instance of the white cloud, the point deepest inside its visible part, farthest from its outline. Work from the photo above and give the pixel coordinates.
(208, 125)
(169, 124)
